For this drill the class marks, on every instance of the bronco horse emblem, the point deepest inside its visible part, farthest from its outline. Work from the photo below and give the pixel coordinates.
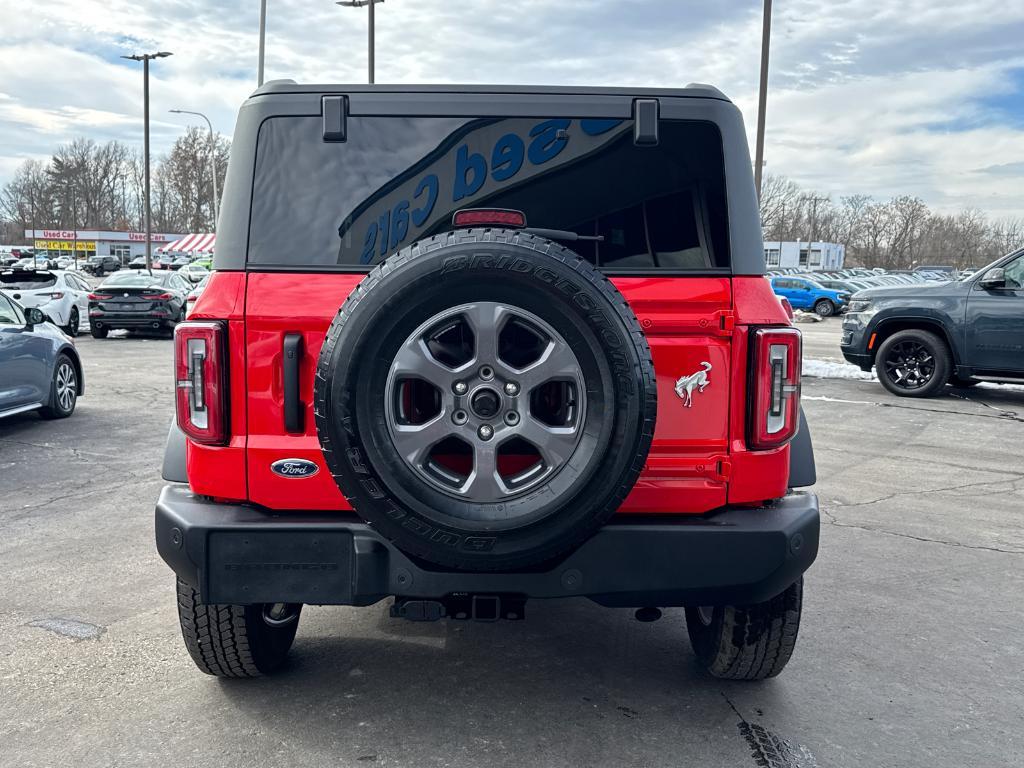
(686, 384)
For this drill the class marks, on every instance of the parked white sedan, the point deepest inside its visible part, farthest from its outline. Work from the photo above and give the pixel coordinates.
(193, 272)
(63, 296)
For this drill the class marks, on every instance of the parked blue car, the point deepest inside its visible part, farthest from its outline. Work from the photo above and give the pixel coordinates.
(39, 365)
(804, 293)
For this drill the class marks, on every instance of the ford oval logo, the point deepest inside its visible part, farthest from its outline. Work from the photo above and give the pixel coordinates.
(294, 468)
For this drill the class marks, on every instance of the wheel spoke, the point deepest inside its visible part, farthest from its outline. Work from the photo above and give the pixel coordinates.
(414, 359)
(484, 483)
(555, 444)
(556, 362)
(486, 321)
(414, 441)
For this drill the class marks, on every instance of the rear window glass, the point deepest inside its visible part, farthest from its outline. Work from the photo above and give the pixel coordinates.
(20, 281)
(399, 179)
(138, 279)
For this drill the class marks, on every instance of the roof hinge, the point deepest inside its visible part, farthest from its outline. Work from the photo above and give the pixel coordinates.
(335, 113)
(646, 113)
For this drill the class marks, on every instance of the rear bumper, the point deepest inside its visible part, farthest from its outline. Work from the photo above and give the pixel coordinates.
(115, 320)
(240, 554)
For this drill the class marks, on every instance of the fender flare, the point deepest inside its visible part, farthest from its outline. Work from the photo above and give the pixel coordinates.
(802, 471)
(173, 469)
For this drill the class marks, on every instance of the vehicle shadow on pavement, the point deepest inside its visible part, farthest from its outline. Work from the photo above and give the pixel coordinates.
(570, 666)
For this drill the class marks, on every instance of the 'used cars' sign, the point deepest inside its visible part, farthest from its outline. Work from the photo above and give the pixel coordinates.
(464, 171)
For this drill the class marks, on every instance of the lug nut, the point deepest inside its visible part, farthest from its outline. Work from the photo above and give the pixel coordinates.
(460, 417)
(511, 388)
(485, 432)
(511, 418)
(486, 373)
(460, 388)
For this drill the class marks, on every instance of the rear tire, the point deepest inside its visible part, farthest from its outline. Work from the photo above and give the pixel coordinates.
(71, 329)
(233, 640)
(747, 642)
(98, 333)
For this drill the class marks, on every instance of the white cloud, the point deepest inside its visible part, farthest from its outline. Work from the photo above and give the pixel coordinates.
(877, 96)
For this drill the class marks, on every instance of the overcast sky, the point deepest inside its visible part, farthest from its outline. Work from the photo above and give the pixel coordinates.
(884, 97)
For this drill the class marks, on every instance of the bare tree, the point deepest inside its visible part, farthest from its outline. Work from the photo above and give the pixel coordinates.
(86, 185)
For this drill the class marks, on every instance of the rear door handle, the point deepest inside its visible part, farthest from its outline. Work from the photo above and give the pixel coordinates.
(292, 357)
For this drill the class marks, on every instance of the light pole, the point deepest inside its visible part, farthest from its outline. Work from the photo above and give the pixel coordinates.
(213, 158)
(360, 4)
(263, 41)
(144, 58)
(762, 99)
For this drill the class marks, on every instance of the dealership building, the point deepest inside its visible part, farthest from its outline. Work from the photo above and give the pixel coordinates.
(96, 242)
(819, 257)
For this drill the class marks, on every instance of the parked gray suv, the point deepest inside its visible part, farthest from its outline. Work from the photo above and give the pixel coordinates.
(921, 337)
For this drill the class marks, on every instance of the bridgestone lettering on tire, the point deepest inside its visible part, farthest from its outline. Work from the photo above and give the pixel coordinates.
(485, 399)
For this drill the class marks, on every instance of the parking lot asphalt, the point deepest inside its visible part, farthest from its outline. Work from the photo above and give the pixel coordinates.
(910, 654)
(821, 339)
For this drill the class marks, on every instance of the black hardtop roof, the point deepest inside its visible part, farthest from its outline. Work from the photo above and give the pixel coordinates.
(690, 91)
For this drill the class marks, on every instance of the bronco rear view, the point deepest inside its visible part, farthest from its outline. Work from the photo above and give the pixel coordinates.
(465, 347)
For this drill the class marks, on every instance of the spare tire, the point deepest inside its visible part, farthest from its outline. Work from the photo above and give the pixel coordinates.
(485, 399)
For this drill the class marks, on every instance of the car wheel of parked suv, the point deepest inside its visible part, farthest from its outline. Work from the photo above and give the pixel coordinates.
(98, 333)
(747, 642)
(486, 399)
(913, 363)
(63, 390)
(236, 640)
(825, 308)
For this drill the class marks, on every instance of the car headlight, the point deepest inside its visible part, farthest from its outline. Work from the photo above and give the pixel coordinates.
(860, 305)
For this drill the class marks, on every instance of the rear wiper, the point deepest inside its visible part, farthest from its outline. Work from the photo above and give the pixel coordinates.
(561, 234)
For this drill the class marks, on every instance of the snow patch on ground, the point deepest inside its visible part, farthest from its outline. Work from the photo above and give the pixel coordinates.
(827, 369)
(996, 385)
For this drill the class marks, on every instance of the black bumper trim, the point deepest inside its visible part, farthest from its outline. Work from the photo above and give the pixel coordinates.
(241, 554)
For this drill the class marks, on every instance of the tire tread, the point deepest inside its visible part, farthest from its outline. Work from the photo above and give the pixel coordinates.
(215, 635)
(751, 642)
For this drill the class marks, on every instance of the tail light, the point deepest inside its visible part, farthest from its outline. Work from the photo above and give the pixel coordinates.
(160, 296)
(775, 376)
(201, 381)
(497, 217)
(99, 296)
(54, 296)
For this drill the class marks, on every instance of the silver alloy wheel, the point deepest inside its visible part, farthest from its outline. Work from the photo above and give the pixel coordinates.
(67, 386)
(483, 404)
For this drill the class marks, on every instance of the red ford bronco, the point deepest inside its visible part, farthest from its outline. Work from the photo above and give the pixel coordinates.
(468, 346)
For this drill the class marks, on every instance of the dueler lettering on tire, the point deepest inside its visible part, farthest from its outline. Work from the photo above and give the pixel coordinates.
(485, 399)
